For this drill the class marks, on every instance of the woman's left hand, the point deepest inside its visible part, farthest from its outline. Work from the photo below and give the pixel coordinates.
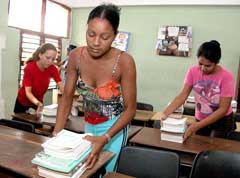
(192, 128)
(98, 143)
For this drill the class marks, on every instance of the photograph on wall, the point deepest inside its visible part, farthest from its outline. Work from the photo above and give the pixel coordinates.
(174, 41)
(121, 41)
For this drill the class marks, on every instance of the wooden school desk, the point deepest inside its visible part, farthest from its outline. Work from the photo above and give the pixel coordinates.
(19, 147)
(116, 175)
(187, 151)
(74, 123)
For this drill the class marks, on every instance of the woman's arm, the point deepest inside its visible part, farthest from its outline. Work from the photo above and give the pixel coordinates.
(225, 103)
(177, 102)
(65, 103)
(34, 100)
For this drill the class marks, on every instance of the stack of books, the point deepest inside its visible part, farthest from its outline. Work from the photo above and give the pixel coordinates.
(63, 156)
(49, 113)
(173, 129)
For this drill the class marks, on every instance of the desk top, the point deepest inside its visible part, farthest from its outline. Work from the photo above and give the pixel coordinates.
(116, 175)
(193, 145)
(143, 115)
(18, 148)
(74, 123)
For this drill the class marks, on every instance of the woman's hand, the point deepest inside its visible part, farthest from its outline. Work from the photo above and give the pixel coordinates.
(162, 118)
(98, 143)
(39, 109)
(192, 128)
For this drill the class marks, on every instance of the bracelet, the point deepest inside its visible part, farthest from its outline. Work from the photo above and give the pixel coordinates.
(108, 137)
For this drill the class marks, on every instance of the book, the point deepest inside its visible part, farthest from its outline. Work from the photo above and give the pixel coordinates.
(191, 99)
(58, 164)
(172, 137)
(175, 125)
(48, 119)
(50, 110)
(73, 148)
(74, 173)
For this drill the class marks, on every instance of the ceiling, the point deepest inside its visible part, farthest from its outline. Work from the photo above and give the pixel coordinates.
(93, 3)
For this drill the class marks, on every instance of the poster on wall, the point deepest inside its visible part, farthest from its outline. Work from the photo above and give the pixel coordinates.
(174, 41)
(122, 41)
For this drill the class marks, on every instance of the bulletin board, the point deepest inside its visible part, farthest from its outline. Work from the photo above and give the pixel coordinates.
(122, 41)
(174, 41)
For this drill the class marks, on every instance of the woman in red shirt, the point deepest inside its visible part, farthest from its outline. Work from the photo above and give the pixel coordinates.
(37, 74)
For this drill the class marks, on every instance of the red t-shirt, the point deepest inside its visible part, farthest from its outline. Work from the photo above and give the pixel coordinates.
(38, 80)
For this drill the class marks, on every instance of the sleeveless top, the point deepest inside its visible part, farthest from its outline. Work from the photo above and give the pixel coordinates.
(103, 103)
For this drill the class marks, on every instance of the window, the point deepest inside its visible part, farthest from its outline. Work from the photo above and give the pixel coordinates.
(38, 21)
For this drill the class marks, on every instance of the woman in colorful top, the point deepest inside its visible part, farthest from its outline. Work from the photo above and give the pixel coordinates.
(213, 89)
(106, 78)
(37, 74)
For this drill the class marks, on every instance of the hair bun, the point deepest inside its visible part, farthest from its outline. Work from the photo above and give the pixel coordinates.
(215, 42)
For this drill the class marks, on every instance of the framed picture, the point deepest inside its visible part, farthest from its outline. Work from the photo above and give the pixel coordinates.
(174, 41)
(121, 41)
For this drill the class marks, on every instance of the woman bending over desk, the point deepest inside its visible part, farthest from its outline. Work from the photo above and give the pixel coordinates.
(106, 78)
(37, 74)
(213, 89)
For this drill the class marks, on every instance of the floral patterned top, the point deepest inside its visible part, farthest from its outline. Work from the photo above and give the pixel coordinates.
(102, 103)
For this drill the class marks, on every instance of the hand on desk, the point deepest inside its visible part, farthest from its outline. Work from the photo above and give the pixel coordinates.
(192, 128)
(98, 143)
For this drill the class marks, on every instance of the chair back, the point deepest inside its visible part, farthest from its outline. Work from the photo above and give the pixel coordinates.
(17, 125)
(143, 162)
(144, 106)
(216, 164)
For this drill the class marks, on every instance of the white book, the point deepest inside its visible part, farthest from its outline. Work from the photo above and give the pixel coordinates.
(48, 119)
(191, 99)
(176, 125)
(50, 110)
(67, 144)
(172, 137)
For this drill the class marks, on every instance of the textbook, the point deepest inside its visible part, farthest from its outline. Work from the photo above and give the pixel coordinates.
(75, 173)
(172, 137)
(58, 164)
(67, 144)
(50, 110)
(175, 125)
(173, 129)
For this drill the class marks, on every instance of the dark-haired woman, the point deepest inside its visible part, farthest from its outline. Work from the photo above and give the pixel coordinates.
(37, 74)
(213, 89)
(106, 78)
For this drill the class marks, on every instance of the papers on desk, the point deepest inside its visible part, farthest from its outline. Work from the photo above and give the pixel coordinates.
(173, 129)
(63, 156)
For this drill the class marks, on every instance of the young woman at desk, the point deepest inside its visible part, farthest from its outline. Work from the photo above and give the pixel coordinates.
(37, 74)
(107, 81)
(213, 88)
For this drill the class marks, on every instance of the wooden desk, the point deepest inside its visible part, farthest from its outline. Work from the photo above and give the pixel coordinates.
(143, 115)
(18, 149)
(187, 151)
(116, 175)
(74, 123)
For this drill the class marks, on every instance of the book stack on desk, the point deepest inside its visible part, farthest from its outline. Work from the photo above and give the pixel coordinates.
(63, 156)
(173, 129)
(49, 113)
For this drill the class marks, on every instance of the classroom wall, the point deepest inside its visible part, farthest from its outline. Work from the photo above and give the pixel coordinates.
(159, 78)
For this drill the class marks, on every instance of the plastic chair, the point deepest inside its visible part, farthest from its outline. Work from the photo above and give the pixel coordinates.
(216, 164)
(143, 162)
(17, 125)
